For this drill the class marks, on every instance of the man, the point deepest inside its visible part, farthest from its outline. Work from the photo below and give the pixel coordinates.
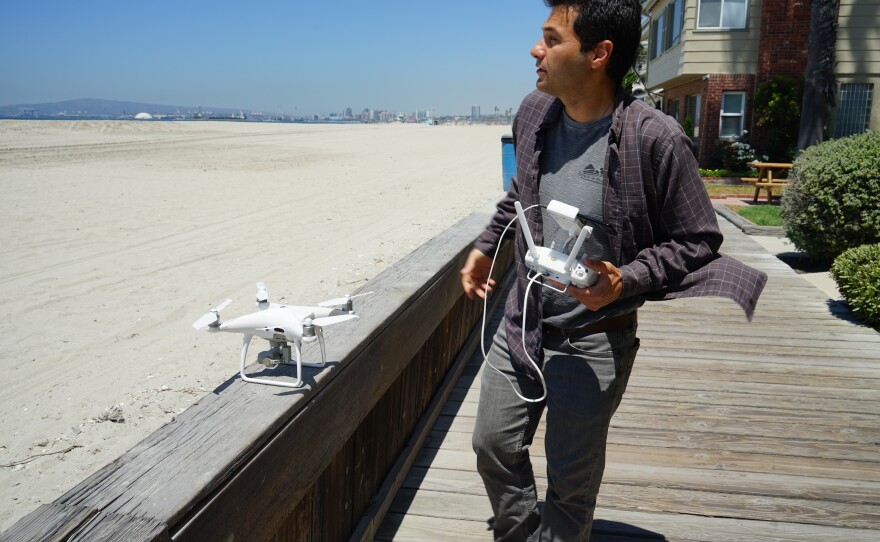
(579, 139)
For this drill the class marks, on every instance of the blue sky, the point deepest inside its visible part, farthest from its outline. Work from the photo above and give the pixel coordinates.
(294, 57)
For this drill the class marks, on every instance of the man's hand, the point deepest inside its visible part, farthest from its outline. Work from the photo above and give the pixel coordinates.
(606, 290)
(475, 275)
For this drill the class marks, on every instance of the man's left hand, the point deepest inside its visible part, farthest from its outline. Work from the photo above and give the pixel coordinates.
(606, 290)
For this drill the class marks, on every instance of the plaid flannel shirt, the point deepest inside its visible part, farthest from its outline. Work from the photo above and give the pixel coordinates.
(664, 233)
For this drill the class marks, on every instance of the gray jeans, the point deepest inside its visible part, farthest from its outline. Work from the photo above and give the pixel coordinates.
(586, 376)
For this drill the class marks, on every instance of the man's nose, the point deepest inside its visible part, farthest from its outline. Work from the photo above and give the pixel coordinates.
(538, 49)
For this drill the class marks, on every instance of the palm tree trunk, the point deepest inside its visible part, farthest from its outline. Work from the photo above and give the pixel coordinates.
(820, 85)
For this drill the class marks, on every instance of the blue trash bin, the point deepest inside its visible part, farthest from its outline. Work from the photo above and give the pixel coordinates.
(508, 162)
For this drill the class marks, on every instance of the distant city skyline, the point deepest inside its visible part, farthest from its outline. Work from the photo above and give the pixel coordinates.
(291, 58)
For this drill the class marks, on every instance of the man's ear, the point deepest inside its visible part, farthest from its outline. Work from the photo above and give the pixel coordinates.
(602, 54)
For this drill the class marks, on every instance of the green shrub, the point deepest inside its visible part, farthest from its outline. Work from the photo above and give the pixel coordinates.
(728, 173)
(778, 109)
(857, 272)
(833, 202)
(688, 127)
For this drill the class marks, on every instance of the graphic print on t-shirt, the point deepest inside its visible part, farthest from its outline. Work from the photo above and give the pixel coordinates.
(592, 174)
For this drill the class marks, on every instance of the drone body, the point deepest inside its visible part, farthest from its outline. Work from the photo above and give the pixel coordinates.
(286, 327)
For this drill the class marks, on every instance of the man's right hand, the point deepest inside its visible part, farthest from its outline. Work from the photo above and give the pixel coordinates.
(475, 275)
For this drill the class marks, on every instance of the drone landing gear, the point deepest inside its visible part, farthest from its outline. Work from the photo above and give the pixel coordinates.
(281, 353)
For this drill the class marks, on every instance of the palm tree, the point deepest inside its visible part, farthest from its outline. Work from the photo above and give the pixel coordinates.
(820, 85)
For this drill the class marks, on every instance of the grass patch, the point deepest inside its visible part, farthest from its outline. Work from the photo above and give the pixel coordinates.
(732, 189)
(760, 215)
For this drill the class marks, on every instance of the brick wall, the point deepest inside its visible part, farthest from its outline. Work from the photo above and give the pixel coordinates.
(680, 93)
(710, 116)
(785, 34)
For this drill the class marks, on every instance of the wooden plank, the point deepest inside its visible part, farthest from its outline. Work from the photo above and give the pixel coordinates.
(56, 522)
(649, 490)
(764, 422)
(795, 450)
(409, 528)
(826, 407)
(768, 407)
(630, 451)
(868, 397)
(857, 439)
(675, 526)
(49, 523)
(454, 471)
(110, 527)
(762, 330)
(755, 356)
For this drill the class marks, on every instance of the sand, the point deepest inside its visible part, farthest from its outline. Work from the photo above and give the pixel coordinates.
(116, 236)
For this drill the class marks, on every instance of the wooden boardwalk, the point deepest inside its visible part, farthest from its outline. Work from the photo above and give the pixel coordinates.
(729, 430)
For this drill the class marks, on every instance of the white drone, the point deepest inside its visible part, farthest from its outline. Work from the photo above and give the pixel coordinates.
(284, 326)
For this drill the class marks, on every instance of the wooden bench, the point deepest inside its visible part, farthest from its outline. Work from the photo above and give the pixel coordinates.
(769, 186)
(765, 178)
(749, 179)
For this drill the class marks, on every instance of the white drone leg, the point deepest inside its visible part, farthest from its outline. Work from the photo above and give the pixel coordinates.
(298, 351)
(320, 334)
(246, 341)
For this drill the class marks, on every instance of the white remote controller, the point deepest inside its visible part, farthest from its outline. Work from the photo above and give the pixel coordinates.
(555, 265)
(551, 263)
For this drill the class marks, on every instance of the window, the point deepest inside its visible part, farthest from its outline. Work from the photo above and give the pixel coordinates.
(692, 111)
(732, 113)
(721, 14)
(674, 13)
(672, 108)
(854, 109)
(666, 28)
(658, 30)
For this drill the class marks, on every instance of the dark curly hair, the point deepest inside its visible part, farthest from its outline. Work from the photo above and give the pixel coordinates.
(619, 21)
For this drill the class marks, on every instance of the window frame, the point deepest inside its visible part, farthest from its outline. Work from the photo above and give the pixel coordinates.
(673, 108)
(845, 108)
(745, 25)
(698, 104)
(665, 38)
(741, 115)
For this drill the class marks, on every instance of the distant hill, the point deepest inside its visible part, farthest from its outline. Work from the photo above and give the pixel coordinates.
(95, 108)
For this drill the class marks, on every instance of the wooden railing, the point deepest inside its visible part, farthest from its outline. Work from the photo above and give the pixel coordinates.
(250, 462)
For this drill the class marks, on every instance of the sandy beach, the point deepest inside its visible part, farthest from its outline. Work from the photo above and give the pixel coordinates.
(116, 236)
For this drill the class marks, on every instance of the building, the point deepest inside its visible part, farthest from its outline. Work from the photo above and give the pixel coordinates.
(475, 112)
(707, 57)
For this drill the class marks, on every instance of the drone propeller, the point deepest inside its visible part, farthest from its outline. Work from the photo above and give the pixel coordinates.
(211, 317)
(340, 300)
(330, 320)
(262, 293)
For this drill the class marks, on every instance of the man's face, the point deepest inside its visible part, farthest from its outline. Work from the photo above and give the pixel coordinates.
(562, 68)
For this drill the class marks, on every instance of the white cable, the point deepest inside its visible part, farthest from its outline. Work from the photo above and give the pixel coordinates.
(525, 305)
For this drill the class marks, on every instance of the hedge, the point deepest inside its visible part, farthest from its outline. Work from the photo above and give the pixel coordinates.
(857, 272)
(833, 201)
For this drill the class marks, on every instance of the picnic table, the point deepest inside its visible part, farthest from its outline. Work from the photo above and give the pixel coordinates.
(765, 178)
